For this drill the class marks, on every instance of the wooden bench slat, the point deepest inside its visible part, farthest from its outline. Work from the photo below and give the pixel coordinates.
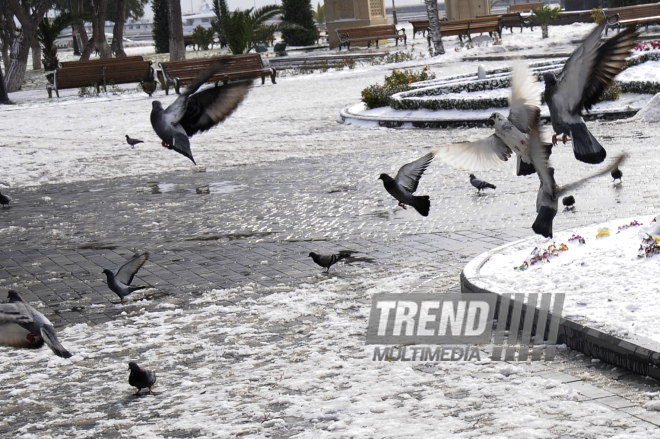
(524, 7)
(370, 34)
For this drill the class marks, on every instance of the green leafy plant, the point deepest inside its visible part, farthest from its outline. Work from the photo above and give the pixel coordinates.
(48, 32)
(598, 15)
(91, 91)
(544, 16)
(202, 37)
(299, 12)
(243, 30)
(376, 96)
(319, 15)
(611, 94)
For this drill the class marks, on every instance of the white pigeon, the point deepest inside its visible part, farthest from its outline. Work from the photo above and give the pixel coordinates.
(511, 134)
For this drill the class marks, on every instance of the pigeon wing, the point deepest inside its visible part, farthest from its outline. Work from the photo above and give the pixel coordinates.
(126, 272)
(539, 153)
(15, 336)
(563, 190)
(15, 312)
(211, 106)
(525, 98)
(480, 155)
(409, 175)
(50, 338)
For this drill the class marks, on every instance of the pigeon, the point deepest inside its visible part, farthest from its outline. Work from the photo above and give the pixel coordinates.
(549, 192)
(569, 202)
(327, 261)
(141, 378)
(22, 326)
(616, 175)
(196, 112)
(474, 181)
(4, 200)
(132, 142)
(405, 184)
(149, 86)
(120, 280)
(510, 133)
(588, 72)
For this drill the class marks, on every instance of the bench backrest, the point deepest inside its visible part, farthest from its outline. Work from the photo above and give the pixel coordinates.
(102, 61)
(524, 7)
(231, 64)
(366, 31)
(632, 12)
(130, 72)
(81, 77)
(489, 18)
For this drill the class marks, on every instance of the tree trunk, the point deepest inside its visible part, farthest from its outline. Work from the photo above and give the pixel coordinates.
(18, 59)
(36, 55)
(118, 30)
(177, 47)
(80, 27)
(98, 41)
(434, 26)
(544, 31)
(4, 99)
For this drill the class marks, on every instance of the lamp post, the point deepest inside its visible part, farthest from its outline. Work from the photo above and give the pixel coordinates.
(76, 49)
(394, 13)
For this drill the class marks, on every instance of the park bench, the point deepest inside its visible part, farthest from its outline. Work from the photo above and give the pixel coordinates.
(513, 19)
(234, 68)
(370, 34)
(632, 16)
(99, 74)
(102, 61)
(420, 26)
(524, 7)
(490, 24)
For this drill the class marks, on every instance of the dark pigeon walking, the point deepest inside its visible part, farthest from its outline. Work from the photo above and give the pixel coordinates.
(549, 193)
(132, 142)
(4, 200)
(474, 181)
(617, 174)
(141, 378)
(588, 72)
(568, 202)
(404, 185)
(327, 261)
(22, 326)
(196, 112)
(120, 280)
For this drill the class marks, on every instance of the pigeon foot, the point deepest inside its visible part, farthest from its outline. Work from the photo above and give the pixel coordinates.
(564, 138)
(151, 392)
(137, 393)
(554, 139)
(31, 337)
(403, 206)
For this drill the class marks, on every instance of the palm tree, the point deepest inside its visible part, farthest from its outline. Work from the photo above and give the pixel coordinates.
(319, 15)
(243, 30)
(544, 16)
(48, 32)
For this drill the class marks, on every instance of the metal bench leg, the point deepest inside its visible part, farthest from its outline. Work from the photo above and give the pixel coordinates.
(273, 75)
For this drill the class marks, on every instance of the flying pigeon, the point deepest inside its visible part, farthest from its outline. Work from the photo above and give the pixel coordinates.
(141, 378)
(588, 72)
(22, 326)
(617, 174)
(327, 261)
(474, 181)
(132, 142)
(120, 280)
(405, 184)
(4, 200)
(568, 202)
(549, 192)
(196, 112)
(510, 133)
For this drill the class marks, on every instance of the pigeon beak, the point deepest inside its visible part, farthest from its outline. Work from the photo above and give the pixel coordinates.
(490, 121)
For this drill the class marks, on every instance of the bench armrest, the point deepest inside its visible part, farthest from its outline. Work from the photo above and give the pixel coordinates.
(401, 30)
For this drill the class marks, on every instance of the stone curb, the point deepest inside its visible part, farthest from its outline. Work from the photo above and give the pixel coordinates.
(641, 355)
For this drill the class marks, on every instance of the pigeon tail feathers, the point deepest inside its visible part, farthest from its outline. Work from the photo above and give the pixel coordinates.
(543, 223)
(585, 147)
(422, 204)
(523, 168)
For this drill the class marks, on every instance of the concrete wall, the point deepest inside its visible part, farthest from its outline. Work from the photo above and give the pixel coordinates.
(464, 9)
(341, 14)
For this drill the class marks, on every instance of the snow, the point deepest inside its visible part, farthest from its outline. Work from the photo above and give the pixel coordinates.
(607, 285)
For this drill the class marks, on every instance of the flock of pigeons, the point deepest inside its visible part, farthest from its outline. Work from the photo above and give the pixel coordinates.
(587, 73)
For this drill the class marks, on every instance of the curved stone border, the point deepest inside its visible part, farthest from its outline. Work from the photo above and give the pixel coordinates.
(641, 355)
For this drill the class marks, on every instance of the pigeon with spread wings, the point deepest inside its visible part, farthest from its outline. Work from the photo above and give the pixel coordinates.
(194, 112)
(510, 133)
(22, 326)
(588, 72)
(405, 184)
(119, 281)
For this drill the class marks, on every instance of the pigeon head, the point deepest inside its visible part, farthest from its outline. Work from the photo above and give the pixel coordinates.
(156, 105)
(491, 120)
(472, 176)
(108, 273)
(384, 177)
(311, 254)
(550, 79)
(496, 119)
(13, 296)
(133, 366)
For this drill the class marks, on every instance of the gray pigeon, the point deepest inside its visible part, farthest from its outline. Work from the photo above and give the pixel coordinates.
(405, 184)
(327, 261)
(617, 174)
(549, 193)
(132, 142)
(141, 378)
(196, 112)
(4, 200)
(588, 72)
(479, 184)
(22, 326)
(120, 280)
(510, 132)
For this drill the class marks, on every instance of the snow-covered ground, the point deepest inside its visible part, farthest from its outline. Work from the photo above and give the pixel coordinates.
(606, 284)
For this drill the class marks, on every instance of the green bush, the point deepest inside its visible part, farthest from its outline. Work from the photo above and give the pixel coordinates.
(611, 94)
(202, 37)
(376, 96)
(597, 15)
